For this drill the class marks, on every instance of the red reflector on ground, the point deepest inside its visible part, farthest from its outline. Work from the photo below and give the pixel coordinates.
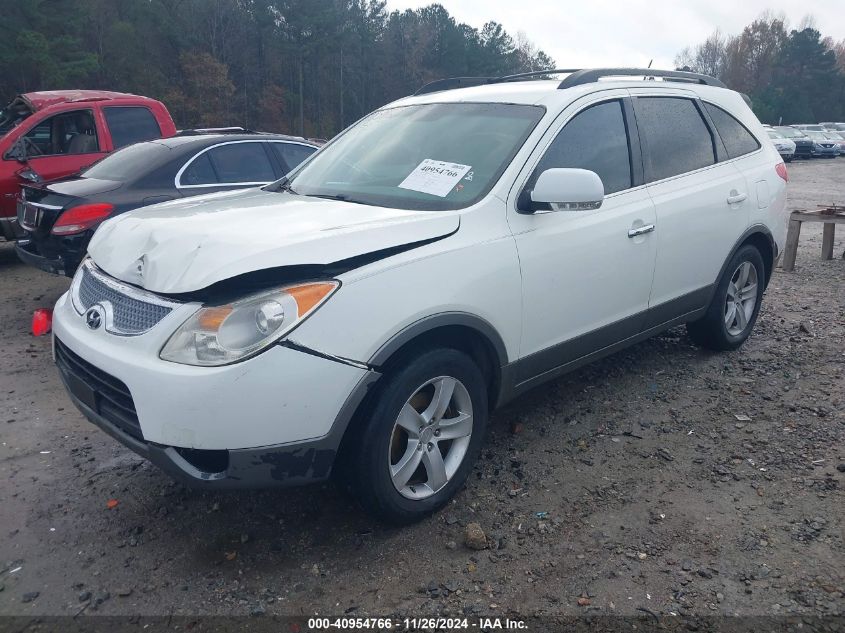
(780, 168)
(42, 321)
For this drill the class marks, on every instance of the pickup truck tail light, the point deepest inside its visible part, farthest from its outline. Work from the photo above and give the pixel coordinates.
(81, 218)
(780, 168)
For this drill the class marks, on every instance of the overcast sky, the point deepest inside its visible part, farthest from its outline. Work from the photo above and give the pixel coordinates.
(630, 33)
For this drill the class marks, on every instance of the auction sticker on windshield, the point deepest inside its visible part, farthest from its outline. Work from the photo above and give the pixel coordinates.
(435, 177)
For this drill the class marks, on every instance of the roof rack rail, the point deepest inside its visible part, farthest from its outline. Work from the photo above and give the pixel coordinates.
(215, 130)
(591, 75)
(451, 83)
(577, 77)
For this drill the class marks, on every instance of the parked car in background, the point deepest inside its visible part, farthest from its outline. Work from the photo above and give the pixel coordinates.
(809, 127)
(836, 127)
(823, 147)
(803, 143)
(837, 137)
(59, 218)
(49, 135)
(443, 255)
(784, 146)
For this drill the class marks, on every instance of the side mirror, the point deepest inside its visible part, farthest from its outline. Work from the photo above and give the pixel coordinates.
(17, 152)
(566, 189)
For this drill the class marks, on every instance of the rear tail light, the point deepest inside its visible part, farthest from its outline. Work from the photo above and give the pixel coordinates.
(780, 168)
(81, 218)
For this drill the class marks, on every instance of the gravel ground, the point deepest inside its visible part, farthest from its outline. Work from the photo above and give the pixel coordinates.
(664, 479)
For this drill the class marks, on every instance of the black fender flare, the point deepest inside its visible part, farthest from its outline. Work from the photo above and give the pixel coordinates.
(442, 319)
(754, 229)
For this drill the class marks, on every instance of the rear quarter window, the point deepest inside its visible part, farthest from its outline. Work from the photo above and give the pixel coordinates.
(677, 140)
(131, 124)
(736, 137)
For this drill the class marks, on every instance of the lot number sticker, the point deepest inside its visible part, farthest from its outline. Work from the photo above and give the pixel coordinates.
(435, 177)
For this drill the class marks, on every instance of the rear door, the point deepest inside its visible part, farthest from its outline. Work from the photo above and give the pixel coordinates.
(701, 199)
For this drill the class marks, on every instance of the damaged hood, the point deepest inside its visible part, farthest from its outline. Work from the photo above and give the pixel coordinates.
(187, 245)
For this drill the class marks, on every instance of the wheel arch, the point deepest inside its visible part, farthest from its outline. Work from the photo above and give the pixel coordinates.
(759, 236)
(466, 332)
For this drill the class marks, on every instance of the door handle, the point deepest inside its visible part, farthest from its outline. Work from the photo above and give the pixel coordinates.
(641, 230)
(736, 198)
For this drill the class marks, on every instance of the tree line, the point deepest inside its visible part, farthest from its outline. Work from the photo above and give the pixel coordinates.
(308, 67)
(791, 75)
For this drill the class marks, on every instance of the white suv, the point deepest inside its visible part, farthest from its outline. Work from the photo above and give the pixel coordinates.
(446, 253)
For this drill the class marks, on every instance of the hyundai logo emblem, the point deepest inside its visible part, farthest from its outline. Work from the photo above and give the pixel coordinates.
(94, 317)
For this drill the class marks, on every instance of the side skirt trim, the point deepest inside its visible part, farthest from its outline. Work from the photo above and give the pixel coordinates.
(524, 374)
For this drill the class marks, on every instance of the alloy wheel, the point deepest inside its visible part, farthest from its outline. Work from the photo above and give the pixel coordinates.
(430, 437)
(741, 298)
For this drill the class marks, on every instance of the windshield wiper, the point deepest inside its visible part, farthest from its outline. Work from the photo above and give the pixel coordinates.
(336, 196)
(281, 185)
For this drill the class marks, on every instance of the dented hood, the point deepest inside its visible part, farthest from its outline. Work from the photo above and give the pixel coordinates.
(187, 245)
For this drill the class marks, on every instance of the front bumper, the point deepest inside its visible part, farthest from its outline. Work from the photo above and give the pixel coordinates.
(275, 419)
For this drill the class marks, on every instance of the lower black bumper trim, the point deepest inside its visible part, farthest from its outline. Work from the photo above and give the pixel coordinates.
(264, 467)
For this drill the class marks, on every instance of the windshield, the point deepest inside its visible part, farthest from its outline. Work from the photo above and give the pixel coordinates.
(774, 135)
(790, 132)
(11, 116)
(836, 136)
(132, 161)
(819, 136)
(430, 157)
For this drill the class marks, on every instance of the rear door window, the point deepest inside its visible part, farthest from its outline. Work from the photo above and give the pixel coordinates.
(131, 124)
(594, 139)
(736, 137)
(199, 172)
(677, 140)
(291, 154)
(242, 163)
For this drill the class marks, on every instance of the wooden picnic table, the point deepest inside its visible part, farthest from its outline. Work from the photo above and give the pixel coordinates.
(829, 216)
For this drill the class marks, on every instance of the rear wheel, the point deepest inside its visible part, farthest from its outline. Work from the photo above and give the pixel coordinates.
(736, 303)
(415, 445)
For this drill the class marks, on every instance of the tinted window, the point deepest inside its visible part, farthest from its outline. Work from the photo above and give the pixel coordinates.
(737, 139)
(199, 172)
(66, 133)
(594, 139)
(291, 154)
(241, 162)
(129, 162)
(677, 139)
(131, 125)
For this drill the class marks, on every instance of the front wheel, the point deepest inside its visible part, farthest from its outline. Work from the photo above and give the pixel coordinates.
(736, 303)
(415, 445)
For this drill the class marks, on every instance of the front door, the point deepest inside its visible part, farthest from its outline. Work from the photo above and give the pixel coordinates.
(586, 275)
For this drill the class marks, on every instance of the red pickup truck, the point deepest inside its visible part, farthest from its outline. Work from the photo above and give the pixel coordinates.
(48, 135)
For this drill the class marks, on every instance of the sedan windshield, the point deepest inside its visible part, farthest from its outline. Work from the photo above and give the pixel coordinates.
(430, 157)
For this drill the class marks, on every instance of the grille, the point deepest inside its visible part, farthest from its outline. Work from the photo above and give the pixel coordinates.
(112, 398)
(128, 315)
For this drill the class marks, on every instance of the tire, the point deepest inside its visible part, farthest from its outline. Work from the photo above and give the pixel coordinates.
(788, 159)
(380, 445)
(721, 329)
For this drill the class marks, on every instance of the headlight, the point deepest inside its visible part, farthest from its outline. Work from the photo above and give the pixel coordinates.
(219, 335)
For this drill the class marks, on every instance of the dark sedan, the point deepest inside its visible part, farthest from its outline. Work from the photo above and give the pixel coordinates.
(60, 217)
(803, 143)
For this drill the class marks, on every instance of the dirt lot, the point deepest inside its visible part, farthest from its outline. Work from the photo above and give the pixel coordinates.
(635, 484)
